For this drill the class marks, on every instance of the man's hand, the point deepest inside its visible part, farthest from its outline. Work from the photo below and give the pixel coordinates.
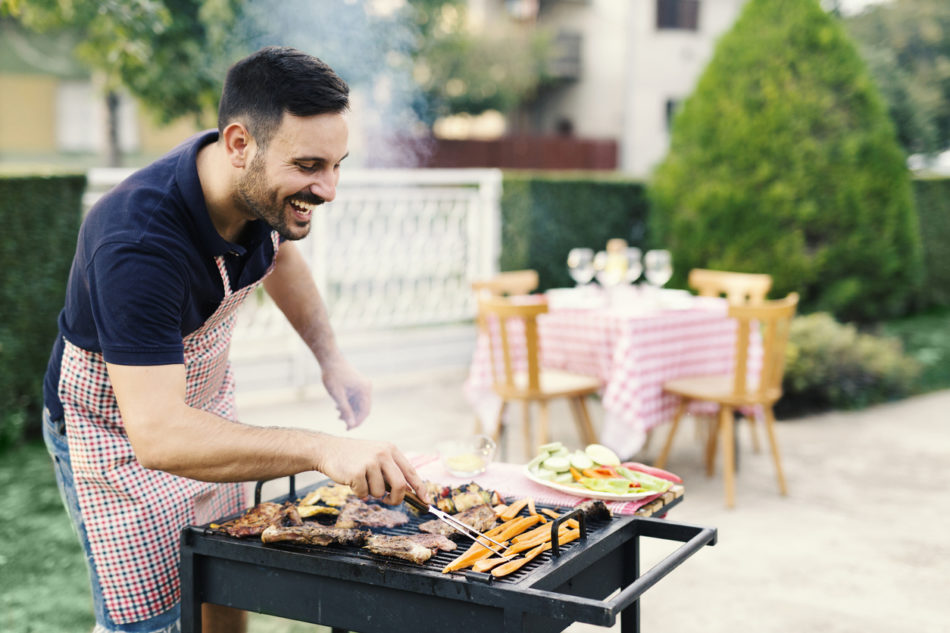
(370, 468)
(349, 389)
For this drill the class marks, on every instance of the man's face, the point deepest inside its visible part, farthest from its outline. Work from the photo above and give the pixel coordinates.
(298, 171)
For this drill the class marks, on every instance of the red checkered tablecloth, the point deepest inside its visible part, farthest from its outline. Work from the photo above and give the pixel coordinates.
(632, 352)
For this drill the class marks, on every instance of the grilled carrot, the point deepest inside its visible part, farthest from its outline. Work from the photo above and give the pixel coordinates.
(469, 557)
(531, 509)
(513, 509)
(544, 529)
(487, 564)
(551, 513)
(538, 539)
(518, 563)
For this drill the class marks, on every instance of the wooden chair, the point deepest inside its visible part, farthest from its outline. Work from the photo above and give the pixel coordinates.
(535, 385)
(739, 288)
(513, 282)
(738, 389)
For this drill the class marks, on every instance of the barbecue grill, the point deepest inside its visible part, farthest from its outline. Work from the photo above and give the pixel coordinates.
(351, 589)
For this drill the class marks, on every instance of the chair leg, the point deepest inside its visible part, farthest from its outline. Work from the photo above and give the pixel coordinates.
(660, 461)
(582, 418)
(712, 439)
(727, 429)
(527, 427)
(754, 432)
(770, 429)
(542, 427)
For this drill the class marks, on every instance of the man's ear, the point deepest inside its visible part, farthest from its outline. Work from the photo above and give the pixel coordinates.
(237, 144)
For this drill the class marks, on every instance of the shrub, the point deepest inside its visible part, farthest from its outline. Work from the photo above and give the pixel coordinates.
(834, 366)
(932, 197)
(40, 216)
(784, 161)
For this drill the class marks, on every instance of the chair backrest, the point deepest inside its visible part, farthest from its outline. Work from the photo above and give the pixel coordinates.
(494, 315)
(739, 288)
(512, 282)
(773, 318)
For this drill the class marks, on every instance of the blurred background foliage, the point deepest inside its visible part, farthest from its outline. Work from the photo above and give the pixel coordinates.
(784, 160)
(906, 44)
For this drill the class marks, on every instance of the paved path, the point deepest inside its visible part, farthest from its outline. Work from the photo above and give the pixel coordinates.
(862, 542)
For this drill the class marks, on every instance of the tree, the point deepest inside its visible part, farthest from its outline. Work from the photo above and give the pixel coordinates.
(906, 44)
(784, 161)
(170, 54)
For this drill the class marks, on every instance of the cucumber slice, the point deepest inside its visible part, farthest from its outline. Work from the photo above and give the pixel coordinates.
(557, 463)
(602, 455)
(545, 473)
(580, 460)
(551, 447)
(563, 478)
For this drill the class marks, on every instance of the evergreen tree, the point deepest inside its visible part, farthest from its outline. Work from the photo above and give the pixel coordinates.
(784, 161)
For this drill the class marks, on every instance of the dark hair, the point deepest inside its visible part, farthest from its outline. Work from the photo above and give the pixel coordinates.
(261, 87)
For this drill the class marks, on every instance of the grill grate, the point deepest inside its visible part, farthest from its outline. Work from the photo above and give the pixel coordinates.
(434, 565)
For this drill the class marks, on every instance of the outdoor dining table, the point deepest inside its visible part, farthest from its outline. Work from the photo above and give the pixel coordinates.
(634, 343)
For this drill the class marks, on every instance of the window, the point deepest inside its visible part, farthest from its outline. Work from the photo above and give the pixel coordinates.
(672, 107)
(677, 14)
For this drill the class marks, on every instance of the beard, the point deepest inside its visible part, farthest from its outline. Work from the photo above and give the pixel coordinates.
(263, 203)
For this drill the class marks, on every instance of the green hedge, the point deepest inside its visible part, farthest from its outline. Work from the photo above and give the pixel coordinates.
(40, 216)
(933, 213)
(545, 215)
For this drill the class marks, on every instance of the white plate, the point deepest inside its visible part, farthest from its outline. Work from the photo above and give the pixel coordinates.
(584, 492)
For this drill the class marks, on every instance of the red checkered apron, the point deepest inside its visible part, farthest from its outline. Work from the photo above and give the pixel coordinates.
(132, 515)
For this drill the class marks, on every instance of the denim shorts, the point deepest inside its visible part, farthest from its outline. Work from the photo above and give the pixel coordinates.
(54, 434)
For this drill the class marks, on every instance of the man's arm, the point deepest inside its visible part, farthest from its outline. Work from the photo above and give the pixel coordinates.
(166, 434)
(292, 288)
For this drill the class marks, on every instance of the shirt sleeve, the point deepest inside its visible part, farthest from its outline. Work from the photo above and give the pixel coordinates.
(137, 298)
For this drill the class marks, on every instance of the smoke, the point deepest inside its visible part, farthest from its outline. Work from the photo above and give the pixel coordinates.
(370, 44)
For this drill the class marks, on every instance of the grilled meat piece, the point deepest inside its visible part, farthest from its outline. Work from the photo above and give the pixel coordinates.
(480, 517)
(315, 534)
(257, 519)
(416, 548)
(459, 498)
(433, 541)
(358, 513)
(594, 509)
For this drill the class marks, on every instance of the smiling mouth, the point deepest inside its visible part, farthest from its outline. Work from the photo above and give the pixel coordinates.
(303, 210)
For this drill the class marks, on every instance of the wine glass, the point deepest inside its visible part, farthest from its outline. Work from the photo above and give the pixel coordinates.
(634, 264)
(580, 263)
(659, 267)
(610, 269)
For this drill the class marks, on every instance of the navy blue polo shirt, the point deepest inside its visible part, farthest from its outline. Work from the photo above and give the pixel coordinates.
(144, 274)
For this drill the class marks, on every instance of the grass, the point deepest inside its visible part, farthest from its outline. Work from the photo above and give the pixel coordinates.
(43, 578)
(43, 581)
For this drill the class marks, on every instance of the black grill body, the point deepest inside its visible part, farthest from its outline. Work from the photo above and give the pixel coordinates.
(352, 589)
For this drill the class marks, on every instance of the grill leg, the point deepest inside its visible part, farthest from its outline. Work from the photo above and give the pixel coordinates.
(630, 617)
(190, 601)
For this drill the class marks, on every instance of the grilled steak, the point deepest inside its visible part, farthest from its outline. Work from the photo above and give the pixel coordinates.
(257, 519)
(358, 513)
(416, 548)
(433, 541)
(480, 517)
(314, 534)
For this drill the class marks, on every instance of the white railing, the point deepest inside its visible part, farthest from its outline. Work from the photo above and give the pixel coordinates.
(397, 249)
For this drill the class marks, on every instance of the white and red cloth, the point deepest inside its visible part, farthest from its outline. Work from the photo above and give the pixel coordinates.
(511, 483)
(133, 516)
(633, 351)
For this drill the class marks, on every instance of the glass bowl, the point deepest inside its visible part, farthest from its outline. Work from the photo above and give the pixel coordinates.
(467, 457)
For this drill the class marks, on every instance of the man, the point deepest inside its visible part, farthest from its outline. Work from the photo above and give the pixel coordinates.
(139, 395)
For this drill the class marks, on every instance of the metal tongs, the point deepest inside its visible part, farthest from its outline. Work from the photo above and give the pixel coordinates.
(415, 501)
